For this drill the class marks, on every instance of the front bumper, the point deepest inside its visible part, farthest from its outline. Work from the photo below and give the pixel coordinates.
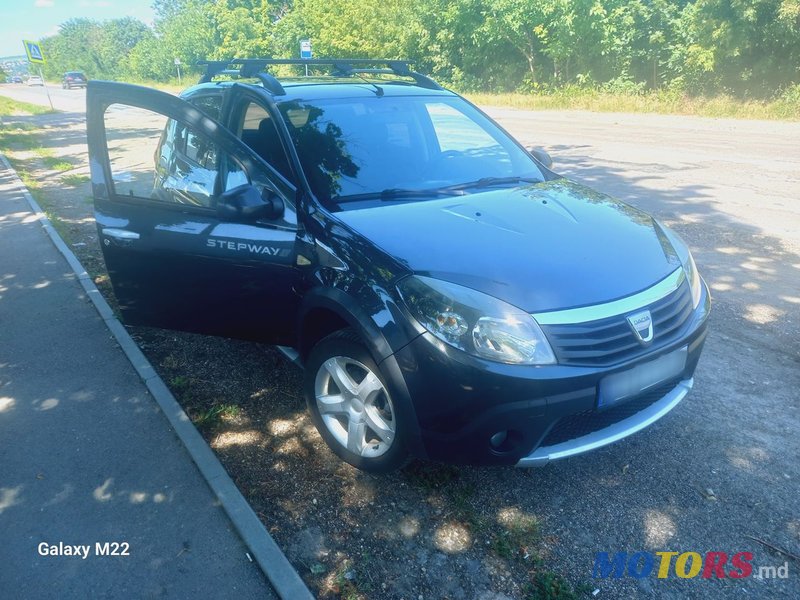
(547, 412)
(612, 433)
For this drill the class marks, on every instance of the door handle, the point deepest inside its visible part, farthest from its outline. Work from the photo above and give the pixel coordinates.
(121, 236)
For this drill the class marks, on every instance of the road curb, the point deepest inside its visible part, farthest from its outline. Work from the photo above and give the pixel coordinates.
(266, 553)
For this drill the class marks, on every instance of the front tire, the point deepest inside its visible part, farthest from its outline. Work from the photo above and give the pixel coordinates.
(350, 404)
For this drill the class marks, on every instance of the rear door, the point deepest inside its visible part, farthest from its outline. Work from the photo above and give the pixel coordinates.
(163, 172)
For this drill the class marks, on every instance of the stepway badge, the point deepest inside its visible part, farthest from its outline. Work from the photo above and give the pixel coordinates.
(34, 51)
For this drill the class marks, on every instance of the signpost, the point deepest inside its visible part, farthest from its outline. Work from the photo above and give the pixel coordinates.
(178, 66)
(34, 52)
(305, 52)
(35, 57)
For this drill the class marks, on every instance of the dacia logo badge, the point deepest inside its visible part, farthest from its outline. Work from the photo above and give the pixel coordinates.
(642, 325)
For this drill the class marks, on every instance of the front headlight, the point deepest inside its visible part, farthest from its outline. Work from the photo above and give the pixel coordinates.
(693, 275)
(689, 266)
(475, 322)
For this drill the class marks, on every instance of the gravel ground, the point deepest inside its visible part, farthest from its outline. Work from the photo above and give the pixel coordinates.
(718, 474)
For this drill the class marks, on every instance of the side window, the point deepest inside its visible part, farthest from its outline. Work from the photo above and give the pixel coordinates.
(258, 131)
(156, 158)
(211, 104)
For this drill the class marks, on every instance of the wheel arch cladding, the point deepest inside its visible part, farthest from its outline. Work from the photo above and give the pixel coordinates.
(325, 310)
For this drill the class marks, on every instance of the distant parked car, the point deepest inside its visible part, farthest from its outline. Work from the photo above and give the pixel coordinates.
(73, 79)
(16, 79)
(35, 80)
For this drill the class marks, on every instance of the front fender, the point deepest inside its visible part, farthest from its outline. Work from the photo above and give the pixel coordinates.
(383, 334)
(370, 311)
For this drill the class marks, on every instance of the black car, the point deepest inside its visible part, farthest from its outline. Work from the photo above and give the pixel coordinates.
(448, 295)
(73, 79)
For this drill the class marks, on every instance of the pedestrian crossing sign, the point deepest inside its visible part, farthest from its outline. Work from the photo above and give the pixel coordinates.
(34, 51)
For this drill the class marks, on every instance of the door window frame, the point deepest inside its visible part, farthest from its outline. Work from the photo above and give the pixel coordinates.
(180, 109)
(236, 104)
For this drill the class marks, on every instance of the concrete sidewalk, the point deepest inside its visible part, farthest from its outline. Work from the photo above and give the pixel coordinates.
(86, 455)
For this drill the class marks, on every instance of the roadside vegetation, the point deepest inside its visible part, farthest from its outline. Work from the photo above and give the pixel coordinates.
(704, 57)
(9, 107)
(25, 144)
(785, 107)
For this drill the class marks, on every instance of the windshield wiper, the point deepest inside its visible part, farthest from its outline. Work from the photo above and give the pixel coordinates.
(491, 181)
(391, 194)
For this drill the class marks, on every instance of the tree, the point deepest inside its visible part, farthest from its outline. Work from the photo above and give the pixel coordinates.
(349, 28)
(748, 47)
(523, 23)
(751, 46)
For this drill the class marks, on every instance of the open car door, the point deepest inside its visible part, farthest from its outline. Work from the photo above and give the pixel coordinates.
(197, 231)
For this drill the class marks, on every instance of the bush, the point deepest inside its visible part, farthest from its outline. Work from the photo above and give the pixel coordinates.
(624, 85)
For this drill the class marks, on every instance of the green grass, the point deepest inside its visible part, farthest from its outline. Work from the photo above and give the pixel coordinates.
(347, 588)
(9, 107)
(75, 181)
(24, 139)
(18, 138)
(546, 585)
(517, 539)
(55, 163)
(179, 383)
(786, 107)
(215, 414)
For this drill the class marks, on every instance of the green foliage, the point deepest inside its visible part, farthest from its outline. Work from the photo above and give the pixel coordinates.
(74, 180)
(748, 48)
(101, 50)
(214, 415)
(665, 101)
(546, 585)
(9, 107)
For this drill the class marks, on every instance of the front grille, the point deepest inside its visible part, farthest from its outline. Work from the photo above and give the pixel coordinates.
(610, 341)
(589, 421)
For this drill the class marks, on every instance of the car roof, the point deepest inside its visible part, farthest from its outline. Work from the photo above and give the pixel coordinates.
(319, 88)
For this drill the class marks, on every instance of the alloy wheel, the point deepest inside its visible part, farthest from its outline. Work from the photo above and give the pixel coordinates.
(355, 406)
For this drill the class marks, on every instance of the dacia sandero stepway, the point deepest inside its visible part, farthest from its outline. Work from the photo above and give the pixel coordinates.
(447, 294)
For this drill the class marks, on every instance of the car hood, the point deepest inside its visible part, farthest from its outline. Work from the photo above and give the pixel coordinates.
(540, 247)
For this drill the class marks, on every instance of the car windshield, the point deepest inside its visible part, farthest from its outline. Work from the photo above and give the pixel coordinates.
(74, 74)
(405, 148)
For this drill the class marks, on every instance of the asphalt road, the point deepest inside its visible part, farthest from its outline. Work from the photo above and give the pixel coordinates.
(723, 468)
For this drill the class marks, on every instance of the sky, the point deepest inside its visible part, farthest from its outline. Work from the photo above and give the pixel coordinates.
(35, 19)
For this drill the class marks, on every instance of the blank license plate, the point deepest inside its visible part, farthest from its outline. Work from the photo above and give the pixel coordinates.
(619, 386)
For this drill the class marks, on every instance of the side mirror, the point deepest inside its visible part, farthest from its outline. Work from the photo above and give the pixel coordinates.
(541, 155)
(246, 203)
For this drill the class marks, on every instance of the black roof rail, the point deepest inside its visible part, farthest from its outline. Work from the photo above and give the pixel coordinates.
(256, 67)
(249, 68)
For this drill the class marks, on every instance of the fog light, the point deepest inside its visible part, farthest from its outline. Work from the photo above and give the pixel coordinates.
(498, 439)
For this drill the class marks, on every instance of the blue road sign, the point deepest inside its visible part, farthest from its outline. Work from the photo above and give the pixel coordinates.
(305, 49)
(34, 51)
